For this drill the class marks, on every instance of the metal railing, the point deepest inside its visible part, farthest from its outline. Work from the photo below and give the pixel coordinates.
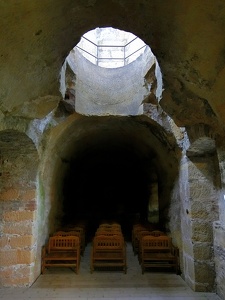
(98, 58)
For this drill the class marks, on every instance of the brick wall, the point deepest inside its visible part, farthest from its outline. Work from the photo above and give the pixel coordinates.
(18, 167)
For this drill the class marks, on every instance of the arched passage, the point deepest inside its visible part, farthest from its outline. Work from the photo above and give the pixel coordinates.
(105, 166)
(36, 47)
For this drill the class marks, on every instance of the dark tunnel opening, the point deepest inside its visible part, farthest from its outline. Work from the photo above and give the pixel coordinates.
(107, 182)
(112, 170)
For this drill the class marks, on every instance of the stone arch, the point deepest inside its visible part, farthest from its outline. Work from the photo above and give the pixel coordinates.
(19, 207)
(82, 137)
(36, 50)
(202, 140)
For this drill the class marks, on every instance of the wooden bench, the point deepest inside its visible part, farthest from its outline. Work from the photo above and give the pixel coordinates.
(110, 226)
(108, 251)
(158, 252)
(137, 228)
(73, 233)
(80, 229)
(138, 238)
(61, 251)
(108, 232)
(67, 233)
(143, 233)
(74, 230)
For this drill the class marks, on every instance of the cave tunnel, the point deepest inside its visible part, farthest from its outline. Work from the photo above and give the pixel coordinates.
(110, 171)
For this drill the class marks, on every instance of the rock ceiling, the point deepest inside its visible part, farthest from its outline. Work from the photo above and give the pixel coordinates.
(187, 37)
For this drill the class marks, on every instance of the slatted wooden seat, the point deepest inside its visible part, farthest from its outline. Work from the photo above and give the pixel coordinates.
(110, 226)
(135, 232)
(61, 251)
(158, 252)
(75, 232)
(108, 252)
(139, 236)
(108, 232)
(81, 231)
(67, 233)
(143, 233)
(157, 233)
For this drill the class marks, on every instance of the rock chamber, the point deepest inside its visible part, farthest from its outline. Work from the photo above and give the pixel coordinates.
(82, 140)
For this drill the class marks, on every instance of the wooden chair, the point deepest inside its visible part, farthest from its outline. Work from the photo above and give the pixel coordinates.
(61, 251)
(75, 232)
(109, 227)
(81, 230)
(108, 252)
(158, 252)
(67, 233)
(136, 230)
(108, 232)
(157, 233)
(143, 233)
(138, 244)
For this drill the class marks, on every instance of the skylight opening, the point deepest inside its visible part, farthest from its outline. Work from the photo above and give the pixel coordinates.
(110, 72)
(110, 48)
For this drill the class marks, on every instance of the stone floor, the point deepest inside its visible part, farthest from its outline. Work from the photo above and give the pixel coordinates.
(63, 283)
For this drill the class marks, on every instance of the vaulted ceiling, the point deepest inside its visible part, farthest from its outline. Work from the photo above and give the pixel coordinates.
(187, 37)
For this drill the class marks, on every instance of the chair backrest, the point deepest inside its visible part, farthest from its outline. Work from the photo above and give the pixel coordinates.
(77, 228)
(159, 243)
(109, 227)
(157, 233)
(110, 224)
(108, 242)
(142, 233)
(136, 231)
(62, 243)
(145, 226)
(108, 232)
(67, 233)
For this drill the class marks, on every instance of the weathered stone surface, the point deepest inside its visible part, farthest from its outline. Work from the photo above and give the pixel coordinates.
(202, 231)
(204, 272)
(205, 210)
(9, 195)
(190, 80)
(21, 228)
(36, 109)
(17, 216)
(203, 251)
(36, 154)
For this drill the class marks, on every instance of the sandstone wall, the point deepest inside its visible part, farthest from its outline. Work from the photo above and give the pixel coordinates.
(18, 207)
